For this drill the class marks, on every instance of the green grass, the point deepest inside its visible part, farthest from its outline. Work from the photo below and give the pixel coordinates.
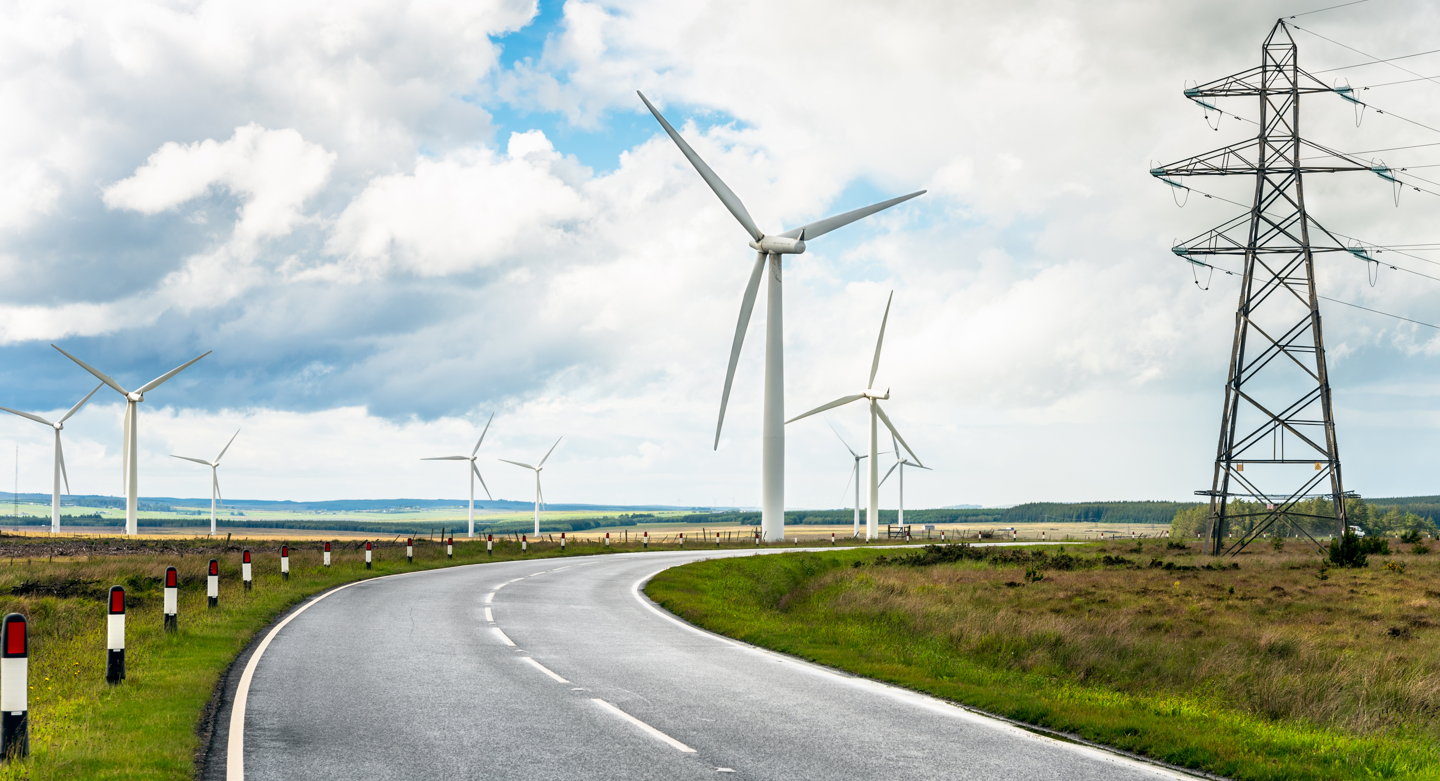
(1211, 670)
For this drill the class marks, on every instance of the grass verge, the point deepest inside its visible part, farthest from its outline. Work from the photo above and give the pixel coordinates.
(1277, 670)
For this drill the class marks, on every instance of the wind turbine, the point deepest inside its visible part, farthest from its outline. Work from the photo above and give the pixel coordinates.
(474, 472)
(214, 476)
(791, 242)
(539, 494)
(854, 475)
(872, 510)
(131, 448)
(59, 455)
(901, 463)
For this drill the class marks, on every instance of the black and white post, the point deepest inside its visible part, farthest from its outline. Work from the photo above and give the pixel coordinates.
(368, 561)
(284, 562)
(212, 584)
(327, 555)
(409, 550)
(115, 637)
(14, 688)
(524, 544)
(717, 539)
(647, 540)
(607, 539)
(450, 547)
(489, 545)
(562, 542)
(682, 539)
(245, 568)
(172, 600)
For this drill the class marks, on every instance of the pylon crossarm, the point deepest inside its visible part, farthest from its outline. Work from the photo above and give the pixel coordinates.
(1243, 157)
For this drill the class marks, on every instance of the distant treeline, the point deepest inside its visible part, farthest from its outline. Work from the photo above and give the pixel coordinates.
(1389, 516)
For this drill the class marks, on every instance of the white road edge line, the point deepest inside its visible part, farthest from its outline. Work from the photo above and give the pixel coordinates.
(489, 597)
(542, 668)
(235, 744)
(503, 637)
(646, 728)
(488, 615)
(894, 692)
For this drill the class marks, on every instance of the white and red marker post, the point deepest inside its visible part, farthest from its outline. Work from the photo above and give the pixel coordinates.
(327, 554)
(524, 544)
(489, 545)
(757, 539)
(14, 688)
(942, 536)
(172, 600)
(717, 539)
(682, 539)
(284, 562)
(832, 538)
(115, 637)
(450, 546)
(607, 539)
(367, 555)
(562, 542)
(245, 568)
(410, 550)
(212, 584)
(647, 540)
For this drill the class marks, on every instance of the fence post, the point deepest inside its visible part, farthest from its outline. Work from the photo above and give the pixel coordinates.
(14, 688)
(172, 600)
(245, 568)
(284, 562)
(115, 637)
(368, 561)
(212, 584)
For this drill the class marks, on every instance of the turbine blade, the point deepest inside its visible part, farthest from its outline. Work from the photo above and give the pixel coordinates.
(482, 481)
(98, 375)
(747, 305)
(227, 446)
(35, 418)
(158, 381)
(843, 400)
(215, 478)
(887, 474)
(548, 452)
(842, 439)
(196, 460)
(886, 420)
(821, 227)
(727, 197)
(516, 463)
(919, 466)
(60, 456)
(848, 477)
(447, 458)
(77, 407)
(482, 436)
(875, 364)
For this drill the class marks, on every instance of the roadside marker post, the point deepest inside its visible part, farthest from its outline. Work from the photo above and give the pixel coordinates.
(367, 554)
(647, 540)
(212, 584)
(245, 568)
(1014, 535)
(327, 554)
(1042, 535)
(172, 600)
(907, 533)
(942, 536)
(489, 545)
(717, 539)
(682, 539)
(115, 637)
(607, 539)
(757, 539)
(284, 562)
(14, 688)
(450, 546)
(562, 542)
(524, 544)
(832, 538)
(409, 550)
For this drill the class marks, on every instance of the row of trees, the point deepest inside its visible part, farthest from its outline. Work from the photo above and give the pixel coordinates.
(1375, 519)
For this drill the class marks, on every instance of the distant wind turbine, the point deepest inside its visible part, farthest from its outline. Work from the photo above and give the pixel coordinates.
(130, 450)
(474, 472)
(872, 510)
(214, 476)
(854, 475)
(539, 494)
(59, 454)
(901, 463)
(791, 242)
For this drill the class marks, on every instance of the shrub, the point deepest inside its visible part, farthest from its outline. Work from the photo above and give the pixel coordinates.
(1277, 543)
(1411, 537)
(1377, 545)
(1419, 549)
(1348, 551)
(1397, 567)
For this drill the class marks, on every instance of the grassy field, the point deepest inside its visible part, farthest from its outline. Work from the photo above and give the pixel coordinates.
(1277, 670)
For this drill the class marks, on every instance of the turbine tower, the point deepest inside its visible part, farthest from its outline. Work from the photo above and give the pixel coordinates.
(59, 426)
(872, 510)
(791, 242)
(474, 472)
(854, 475)
(901, 463)
(214, 477)
(539, 494)
(130, 449)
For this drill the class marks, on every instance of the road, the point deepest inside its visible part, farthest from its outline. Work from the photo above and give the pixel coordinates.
(562, 669)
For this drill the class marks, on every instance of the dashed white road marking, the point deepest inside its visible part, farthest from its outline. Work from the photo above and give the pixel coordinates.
(503, 637)
(646, 728)
(542, 668)
(489, 597)
(488, 615)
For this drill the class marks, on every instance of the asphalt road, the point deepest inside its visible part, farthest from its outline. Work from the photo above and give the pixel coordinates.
(415, 677)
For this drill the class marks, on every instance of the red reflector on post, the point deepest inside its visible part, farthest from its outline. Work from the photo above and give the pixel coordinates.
(285, 550)
(15, 640)
(245, 557)
(214, 567)
(327, 547)
(117, 600)
(367, 546)
(172, 579)
(409, 541)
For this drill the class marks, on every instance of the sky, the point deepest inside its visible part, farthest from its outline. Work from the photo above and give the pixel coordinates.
(389, 221)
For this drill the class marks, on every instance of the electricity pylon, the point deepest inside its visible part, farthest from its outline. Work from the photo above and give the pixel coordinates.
(1278, 391)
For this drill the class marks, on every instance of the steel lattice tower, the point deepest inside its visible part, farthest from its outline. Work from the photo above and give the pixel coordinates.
(1278, 390)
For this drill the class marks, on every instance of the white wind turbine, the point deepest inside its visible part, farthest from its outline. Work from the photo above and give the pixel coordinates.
(474, 472)
(59, 426)
(791, 242)
(214, 476)
(539, 494)
(130, 449)
(872, 510)
(901, 463)
(854, 475)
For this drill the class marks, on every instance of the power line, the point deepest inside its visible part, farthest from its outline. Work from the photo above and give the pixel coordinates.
(1393, 83)
(1378, 312)
(1328, 8)
(1375, 61)
(1389, 62)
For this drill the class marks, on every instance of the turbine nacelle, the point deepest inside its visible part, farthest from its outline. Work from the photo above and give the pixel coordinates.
(135, 397)
(779, 245)
(869, 394)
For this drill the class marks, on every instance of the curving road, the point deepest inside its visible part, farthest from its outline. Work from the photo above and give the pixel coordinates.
(561, 669)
